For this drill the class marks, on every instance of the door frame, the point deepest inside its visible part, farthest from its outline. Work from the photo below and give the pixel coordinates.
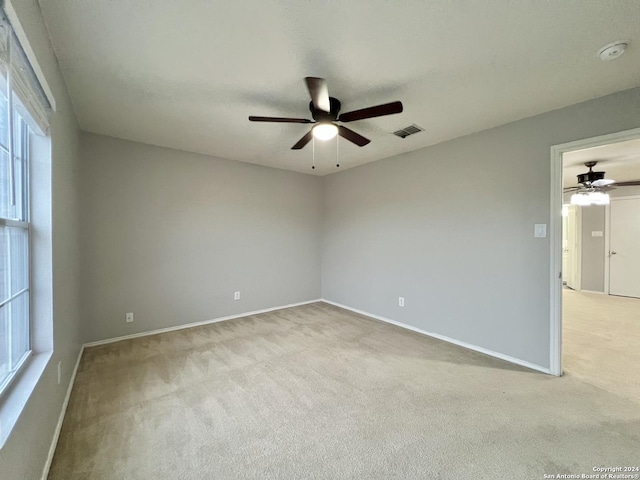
(555, 234)
(607, 239)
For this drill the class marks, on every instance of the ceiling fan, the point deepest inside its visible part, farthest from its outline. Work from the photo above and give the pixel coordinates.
(598, 181)
(593, 187)
(325, 111)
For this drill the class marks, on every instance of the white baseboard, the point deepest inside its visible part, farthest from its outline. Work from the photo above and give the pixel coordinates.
(56, 434)
(196, 324)
(592, 291)
(501, 356)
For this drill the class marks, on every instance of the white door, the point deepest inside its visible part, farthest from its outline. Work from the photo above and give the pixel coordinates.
(624, 247)
(570, 245)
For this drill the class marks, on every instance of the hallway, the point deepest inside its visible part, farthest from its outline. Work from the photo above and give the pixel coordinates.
(601, 338)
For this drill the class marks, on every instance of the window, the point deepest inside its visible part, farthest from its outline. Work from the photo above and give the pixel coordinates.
(22, 113)
(14, 237)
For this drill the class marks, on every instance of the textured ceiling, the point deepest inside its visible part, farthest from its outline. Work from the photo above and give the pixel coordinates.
(186, 74)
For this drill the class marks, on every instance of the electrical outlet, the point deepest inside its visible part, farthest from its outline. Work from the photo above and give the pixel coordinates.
(129, 317)
(401, 301)
(236, 295)
(59, 372)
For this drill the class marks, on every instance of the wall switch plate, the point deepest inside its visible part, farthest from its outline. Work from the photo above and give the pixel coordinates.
(129, 318)
(236, 295)
(59, 372)
(401, 301)
(540, 230)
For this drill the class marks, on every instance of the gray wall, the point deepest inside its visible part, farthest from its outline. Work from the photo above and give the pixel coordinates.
(450, 228)
(592, 268)
(25, 453)
(170, 235)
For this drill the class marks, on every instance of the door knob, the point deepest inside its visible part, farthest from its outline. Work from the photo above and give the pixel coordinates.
(613, 253)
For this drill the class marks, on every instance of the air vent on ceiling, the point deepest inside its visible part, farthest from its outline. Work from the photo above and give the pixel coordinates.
(410, 130)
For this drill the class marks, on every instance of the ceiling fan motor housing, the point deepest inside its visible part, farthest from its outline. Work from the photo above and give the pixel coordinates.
(331, 116)
(590, 177)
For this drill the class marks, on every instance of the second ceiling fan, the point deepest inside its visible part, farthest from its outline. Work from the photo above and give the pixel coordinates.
(593, 186)
(597, 181)
(325, 111)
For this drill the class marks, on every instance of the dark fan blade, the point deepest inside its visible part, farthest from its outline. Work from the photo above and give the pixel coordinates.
(571, 189)
(630, 183)
(319, 93)
(303, 141)
(279, 119)
(377, 111)
(352, 136)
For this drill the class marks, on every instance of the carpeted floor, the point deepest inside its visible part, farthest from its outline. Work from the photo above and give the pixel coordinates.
(601, 341)
(316, 392)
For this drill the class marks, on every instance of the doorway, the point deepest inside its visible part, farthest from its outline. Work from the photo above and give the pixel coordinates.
(563, 272)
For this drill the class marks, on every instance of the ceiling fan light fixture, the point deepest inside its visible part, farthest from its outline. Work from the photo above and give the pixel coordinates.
(580, 199)
(599, 198)
(325, 131)
(585, 199)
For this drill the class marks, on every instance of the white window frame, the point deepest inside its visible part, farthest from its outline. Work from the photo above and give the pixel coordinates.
(22, 131)
(15, 398)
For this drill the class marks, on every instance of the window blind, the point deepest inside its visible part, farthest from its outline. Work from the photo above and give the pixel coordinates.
(31, 102)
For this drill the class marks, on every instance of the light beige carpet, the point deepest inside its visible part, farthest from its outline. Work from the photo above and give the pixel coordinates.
(316, 392)
(601, 341)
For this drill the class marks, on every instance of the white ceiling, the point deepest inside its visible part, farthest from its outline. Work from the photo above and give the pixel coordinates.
(186, 74)
(620, 161)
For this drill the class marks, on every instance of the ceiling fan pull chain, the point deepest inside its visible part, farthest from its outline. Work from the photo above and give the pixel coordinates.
(337, 152)
(313, 149)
